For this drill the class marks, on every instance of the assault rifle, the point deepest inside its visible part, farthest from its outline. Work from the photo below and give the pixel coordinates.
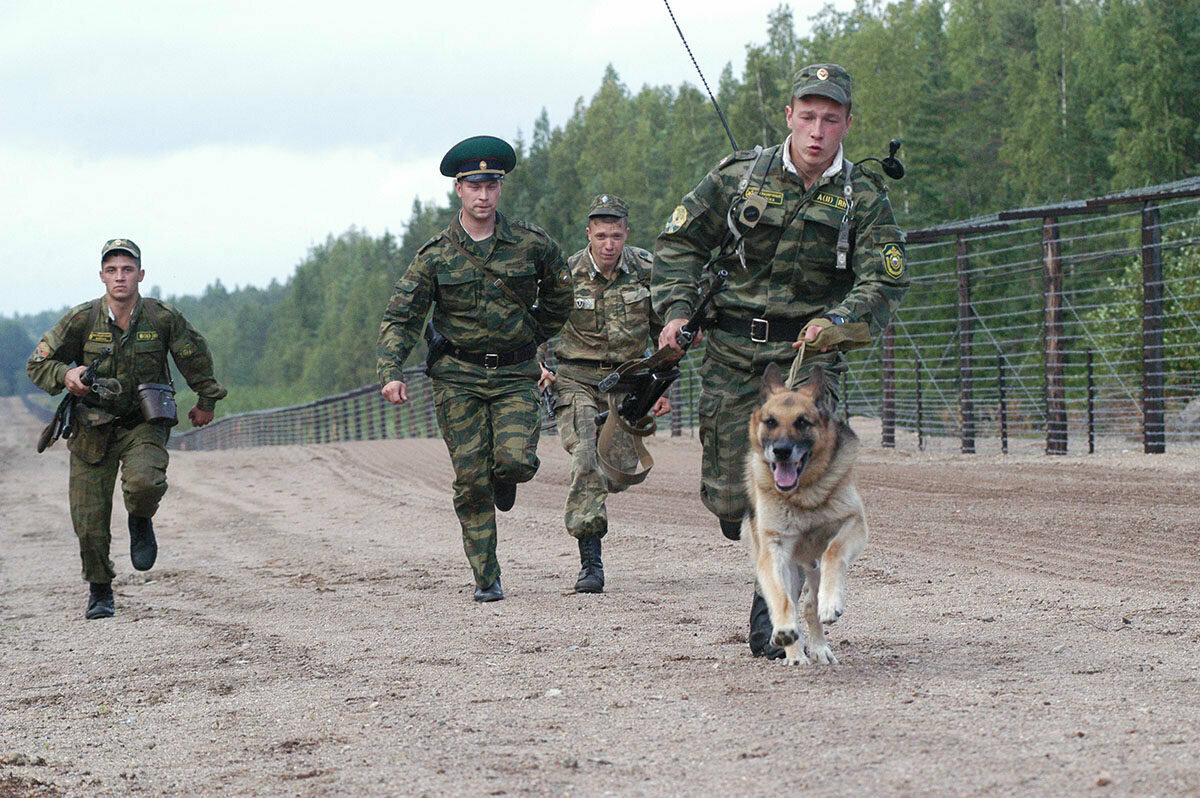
(645, 381)
(63, 423)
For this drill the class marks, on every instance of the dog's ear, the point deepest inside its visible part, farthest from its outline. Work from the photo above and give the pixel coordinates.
(772, 380)
(816, 386)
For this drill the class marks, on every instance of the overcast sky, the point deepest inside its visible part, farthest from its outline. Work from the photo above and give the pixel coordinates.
(226, 138)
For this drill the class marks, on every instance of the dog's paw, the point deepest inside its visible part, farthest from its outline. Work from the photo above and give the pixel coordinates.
(799, 659)
(785, 635)
(822, 654)
(830, 604)
(829, 614)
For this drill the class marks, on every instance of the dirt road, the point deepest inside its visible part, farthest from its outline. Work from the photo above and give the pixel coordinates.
(1020, 625)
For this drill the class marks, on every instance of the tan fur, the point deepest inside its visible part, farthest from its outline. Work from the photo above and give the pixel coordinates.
(818, 526)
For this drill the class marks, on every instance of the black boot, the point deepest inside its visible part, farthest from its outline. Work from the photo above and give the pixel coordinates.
(492, 592)
(504, 494)
(100, 601)
(143, 549)
(591, 575)
(761, 629)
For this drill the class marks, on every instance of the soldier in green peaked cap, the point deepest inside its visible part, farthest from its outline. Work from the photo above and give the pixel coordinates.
(824, 250)
(498, 288)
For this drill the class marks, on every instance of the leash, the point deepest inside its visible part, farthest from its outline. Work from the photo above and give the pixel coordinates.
(791, 380)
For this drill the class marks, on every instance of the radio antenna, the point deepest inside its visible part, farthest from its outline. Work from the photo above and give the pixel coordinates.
(720, 114)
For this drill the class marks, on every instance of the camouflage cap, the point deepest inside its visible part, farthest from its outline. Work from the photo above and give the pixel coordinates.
(608, 205)
(120, 245)
(827, 80)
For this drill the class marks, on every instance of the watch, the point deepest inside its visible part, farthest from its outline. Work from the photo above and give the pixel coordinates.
(835, 318)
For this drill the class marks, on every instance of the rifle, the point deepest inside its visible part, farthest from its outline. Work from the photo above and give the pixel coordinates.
(63, 423)
(645, 381)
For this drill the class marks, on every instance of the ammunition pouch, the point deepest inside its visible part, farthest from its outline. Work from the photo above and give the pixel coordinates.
(157, 402)
(91, 432)
(437, 343)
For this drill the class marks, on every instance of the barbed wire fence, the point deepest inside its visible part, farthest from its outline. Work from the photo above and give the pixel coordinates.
(1023, 331)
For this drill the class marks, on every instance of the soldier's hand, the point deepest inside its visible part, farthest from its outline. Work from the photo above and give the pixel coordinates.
(811, 332)
(547, 379)
(669, 337)
(73, 382)
(661, 407)
(395, 392)
(199, 417)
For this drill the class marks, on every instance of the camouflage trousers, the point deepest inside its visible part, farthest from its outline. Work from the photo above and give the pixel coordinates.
(140, 455)
(490, 422)
(728, 396)
(576, 408)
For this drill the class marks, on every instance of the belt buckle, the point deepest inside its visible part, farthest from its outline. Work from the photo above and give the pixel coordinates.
(760, 330)
(491, 361)
(607, 365)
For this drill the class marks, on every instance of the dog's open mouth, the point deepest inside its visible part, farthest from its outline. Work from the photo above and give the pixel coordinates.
(787, 472)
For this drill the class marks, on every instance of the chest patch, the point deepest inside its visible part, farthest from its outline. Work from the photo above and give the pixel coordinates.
(585, 303)
(100, 337)
(830, 201)
(147, 335)
(772, 197)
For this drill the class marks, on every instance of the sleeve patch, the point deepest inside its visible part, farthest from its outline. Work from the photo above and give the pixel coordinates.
(42, 352)
(677, 220)
(893, 260)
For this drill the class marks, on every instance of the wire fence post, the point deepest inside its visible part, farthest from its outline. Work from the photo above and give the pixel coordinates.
(1153, 417)
(966, 386)
(887, 411)
(1003, 403)
(1091, 404)
(1056, 400)
(920, 427)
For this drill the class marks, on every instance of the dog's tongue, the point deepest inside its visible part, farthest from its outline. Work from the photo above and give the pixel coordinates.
(785, 474)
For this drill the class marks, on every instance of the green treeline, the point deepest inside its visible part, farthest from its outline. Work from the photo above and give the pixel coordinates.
(999, 103)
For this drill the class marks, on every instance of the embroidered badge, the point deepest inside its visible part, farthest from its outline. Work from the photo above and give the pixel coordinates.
(893, 260)
(564, 276)
(772, 197)
(147, 335)
(832, 200)
(678, 219)
(100, 337)
(42, 352)
(585, 303)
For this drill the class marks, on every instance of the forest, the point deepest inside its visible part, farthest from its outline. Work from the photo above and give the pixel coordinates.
(999, 103)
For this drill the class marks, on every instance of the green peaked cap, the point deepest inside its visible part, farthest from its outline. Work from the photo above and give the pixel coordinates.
(479, 158)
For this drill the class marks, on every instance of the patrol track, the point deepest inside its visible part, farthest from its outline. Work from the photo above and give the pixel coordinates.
(1020, 625)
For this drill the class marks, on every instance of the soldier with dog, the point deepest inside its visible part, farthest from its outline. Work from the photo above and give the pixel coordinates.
(816, 247)
(499, 288)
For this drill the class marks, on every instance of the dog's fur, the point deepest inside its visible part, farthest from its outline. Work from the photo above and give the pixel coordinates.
(805, 512)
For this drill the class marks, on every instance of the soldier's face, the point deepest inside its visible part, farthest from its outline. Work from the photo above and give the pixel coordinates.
(478, 199)
(606, 239)
(121, 274)
(818, 125)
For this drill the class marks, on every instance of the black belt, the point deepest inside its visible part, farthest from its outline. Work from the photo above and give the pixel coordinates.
(491, 360)
(762, 331)
(130, 421)
(607, 365)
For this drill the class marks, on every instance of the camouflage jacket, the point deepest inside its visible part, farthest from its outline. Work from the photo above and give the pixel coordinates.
(790, 255)
(469, 309)
(612, 318)
(139, 354)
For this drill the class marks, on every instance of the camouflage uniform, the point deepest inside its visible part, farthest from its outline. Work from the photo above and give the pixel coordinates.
(488, 415)
(612, 321)
(790, 278)
(112, 435)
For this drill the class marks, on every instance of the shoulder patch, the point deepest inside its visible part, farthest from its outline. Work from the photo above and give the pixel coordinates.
(893, 260)
(42, 352)
(678, 219)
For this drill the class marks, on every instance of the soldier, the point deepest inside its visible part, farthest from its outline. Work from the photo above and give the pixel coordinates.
(499, 288)
(131, 335)
(823, 249)
(612, 322)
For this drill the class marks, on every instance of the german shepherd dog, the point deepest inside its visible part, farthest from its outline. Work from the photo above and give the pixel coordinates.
(805, 512)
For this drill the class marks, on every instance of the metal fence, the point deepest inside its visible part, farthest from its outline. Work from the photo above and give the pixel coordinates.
(1036, 327)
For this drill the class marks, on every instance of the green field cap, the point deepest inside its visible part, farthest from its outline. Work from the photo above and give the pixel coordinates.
(608, 205)
(827, 80)
(479, 158)
(120, 245)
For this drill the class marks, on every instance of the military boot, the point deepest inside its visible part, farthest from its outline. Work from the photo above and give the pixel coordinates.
(492, 592)
(504, 495)
(143, 549)
(100, 601)
(761, 630)
(591, 575)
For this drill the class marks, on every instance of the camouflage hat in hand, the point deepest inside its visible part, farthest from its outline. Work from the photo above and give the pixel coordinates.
(608, 205)
(120, 245)
(827, 80)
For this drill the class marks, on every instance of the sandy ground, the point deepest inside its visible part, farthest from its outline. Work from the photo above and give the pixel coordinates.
(1019, 625)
